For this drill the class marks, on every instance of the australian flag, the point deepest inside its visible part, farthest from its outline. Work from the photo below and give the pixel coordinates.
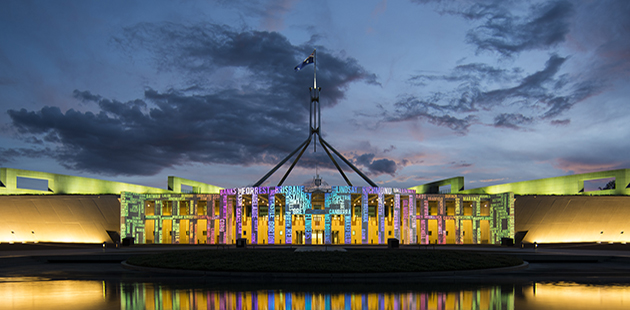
(309, 60)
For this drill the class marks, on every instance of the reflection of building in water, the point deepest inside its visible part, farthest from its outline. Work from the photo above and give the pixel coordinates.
(62, 295)
(575, 296)
(25, 293)
(149, 296)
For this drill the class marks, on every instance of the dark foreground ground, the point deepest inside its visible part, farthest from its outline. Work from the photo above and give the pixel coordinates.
(588, 263)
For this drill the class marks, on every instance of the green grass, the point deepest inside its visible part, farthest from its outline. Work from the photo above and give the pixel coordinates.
(354, 261)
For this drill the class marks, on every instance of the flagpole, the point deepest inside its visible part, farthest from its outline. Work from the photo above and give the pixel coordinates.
(315, 69)
(316, 94)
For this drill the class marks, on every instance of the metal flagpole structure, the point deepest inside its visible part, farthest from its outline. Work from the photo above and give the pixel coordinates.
(314, 123)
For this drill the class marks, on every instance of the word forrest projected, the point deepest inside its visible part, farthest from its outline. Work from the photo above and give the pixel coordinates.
(292, 215)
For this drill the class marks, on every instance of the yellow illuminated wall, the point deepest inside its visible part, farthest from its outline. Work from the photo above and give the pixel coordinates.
(59, 218)
(560, 219)
(70, 209)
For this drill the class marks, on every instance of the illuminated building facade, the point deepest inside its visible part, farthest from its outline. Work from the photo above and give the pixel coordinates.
(293, 215)
(47, 207)
(191, 212)
(61, 208)
(587, 207)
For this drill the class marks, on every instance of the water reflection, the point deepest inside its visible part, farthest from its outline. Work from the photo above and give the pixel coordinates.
(150, 296)
(575, 296)
(23, 293)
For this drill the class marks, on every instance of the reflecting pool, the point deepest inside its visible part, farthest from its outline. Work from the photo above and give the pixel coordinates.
(142, 296)
(21, 293)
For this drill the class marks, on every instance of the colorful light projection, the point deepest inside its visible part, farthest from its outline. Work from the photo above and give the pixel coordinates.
(296, 202)
(167, 212)
(271, 222)
(154, 296)
(491, 218)
(424, 219)
(338, 202)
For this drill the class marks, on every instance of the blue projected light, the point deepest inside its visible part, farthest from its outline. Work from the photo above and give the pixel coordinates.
(410, 220)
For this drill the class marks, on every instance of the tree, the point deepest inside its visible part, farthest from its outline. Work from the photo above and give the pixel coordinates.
(609, 185)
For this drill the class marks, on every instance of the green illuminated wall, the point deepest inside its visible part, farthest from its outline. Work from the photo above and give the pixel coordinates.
(565, 185)
(65, 184)
(175, 185)
(456, 183)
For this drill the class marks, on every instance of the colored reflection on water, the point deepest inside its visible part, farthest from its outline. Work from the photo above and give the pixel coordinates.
(149, 296)
(23, 293)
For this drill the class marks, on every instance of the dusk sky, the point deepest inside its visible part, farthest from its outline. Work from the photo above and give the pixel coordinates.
(412, 91)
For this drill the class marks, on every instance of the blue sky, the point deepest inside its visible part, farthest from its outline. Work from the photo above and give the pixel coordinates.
(412, 91)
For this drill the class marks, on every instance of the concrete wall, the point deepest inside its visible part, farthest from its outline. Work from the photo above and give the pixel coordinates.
(456, 183)
(66, 184)
(565, 185)
(175, 185)
(58, 218)
(558, 219)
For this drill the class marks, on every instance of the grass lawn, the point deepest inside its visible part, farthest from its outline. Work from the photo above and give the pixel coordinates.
(352, 261)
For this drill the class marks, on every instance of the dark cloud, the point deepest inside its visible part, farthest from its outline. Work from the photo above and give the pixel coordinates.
(266, 59)
(381, 166)
(412, 108)
(85, 96)
(376, 167)
(505, 30)
(461, 164)
(389, 149)
(558, 122)
(469, 9)
(512, 120)
(470, 75)
(9, 155)
(543, 94)
(602, 27)
(532, 90)
(499, 26)
(257, 118)
(546, 25)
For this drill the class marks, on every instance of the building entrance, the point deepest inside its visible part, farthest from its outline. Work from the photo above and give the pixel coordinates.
(335, 237)
(318, 237)
(299, 237)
